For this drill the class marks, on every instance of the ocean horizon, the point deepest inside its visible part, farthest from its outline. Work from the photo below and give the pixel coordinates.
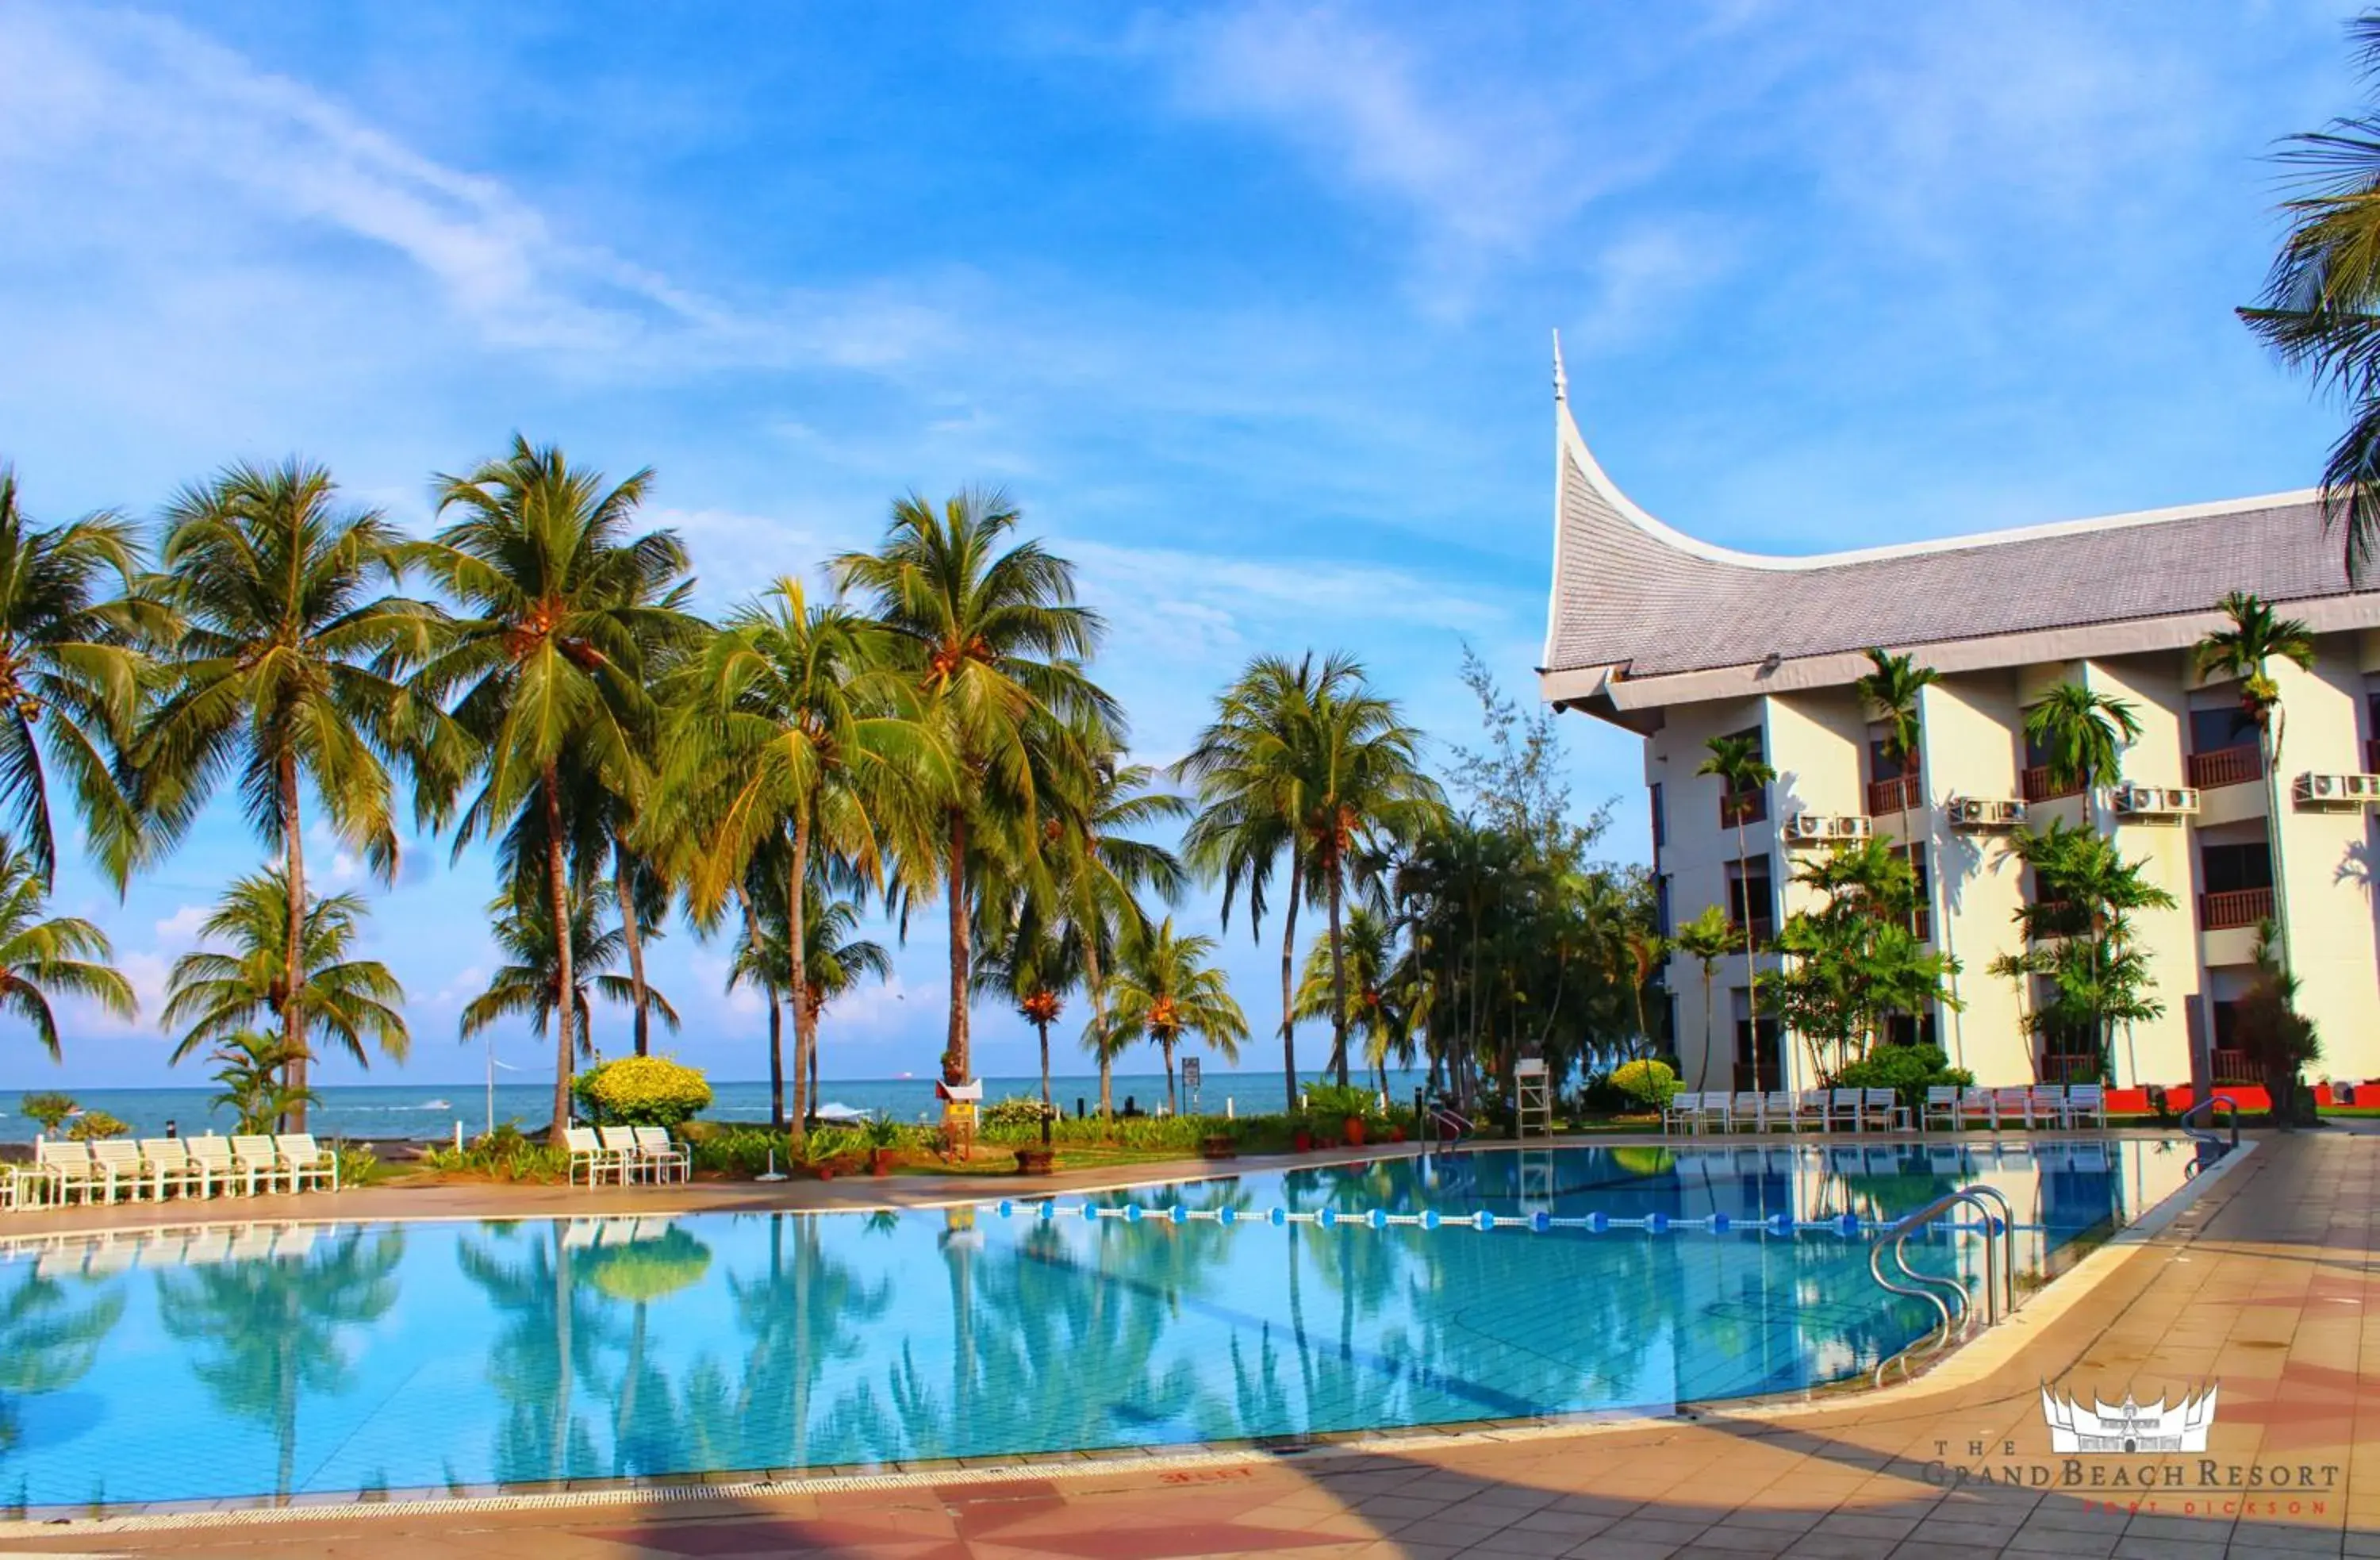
(428, 1112)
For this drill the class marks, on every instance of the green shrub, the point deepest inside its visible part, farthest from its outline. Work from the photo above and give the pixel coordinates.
(96, 1123)
(358, 1166)
(883, 1132)
(47, 1108)
(829, 1144)
(1647, 1084)
(504, 1154)
(1907, 1070)
(640, 1091)
(1329, 1104)
(738, 1149)
(1017, 1110)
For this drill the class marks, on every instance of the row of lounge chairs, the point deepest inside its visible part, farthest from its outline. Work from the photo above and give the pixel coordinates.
(113, 1252)
(115, 1169)
(625, 1154)
(1880, 1110)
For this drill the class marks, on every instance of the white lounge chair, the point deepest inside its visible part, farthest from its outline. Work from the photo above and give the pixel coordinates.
(118, 1161)
(1975, 1105)
(2011, 1105)
(213, 1156)
(1777, 1111)
(170, 1165)
(1881, 1108)
(1845, 1108)
(1680, 1112)
(589, 1154)
(670, 1159)
(2048, 1102)
(1744, 1111)
(1942, 1105)
(303, 1160)
(67, 1163)
(2086, 1102)
(1809, 1110)
(622, 1140)
(259, 1159)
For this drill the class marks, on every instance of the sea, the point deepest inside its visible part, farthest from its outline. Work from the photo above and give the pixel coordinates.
(428, 1112)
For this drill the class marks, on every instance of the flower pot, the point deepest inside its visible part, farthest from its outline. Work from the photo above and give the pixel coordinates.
(1355, 1131)
(1396, 1134)
(880, 1161)
(1301, 1140)
(826, 1172)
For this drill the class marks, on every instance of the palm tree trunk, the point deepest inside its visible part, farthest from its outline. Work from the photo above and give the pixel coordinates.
(1288, 981)
(812, 1006)
(1751, 969)
(776, 1064)
(1043, 1025)
(1099, 989)
(955, 1053)
(633, 935)
(1172, 1104)
(1338, 982)
(293, 1014)
(796, 960)
(2271, 741)
(564, 1353)
(1710, 996)
(557, 891)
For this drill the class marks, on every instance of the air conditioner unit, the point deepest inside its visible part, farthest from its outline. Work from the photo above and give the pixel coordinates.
(2156, 801)
(1985, 812)
(2337, 790)
(1819, 828)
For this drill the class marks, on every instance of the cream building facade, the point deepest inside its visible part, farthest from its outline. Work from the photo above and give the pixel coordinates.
(1679, 641)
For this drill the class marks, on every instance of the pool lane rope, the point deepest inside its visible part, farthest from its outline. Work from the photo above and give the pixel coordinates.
(1538, 1223)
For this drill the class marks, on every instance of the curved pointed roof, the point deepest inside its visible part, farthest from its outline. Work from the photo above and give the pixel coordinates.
(1635, 596)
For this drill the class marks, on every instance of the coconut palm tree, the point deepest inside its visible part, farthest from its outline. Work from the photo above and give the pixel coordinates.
(42, 956)
(215, 996)
(2246, 649)
(69, 678)
(2084, 733)
(1893, 687)
(1031, 964)
(837, 960)
(2320, 298)
(1249, 770)
(1364, 789)
(791, 721)
(1167, 990)
(545, 668)
(1369, 956)
(281, 670)
(250, 1065)
(994, 640)
(1737, 762)
(533, 984)
(1707, 938)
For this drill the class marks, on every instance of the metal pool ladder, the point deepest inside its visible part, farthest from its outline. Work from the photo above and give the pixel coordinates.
(2206, 1134)
(1998, 1229)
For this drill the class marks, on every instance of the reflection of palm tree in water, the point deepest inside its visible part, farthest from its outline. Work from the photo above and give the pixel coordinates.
(644, 1437)
(799, 1317)
(46, 1344)
(271, 1326)
(552, 1330)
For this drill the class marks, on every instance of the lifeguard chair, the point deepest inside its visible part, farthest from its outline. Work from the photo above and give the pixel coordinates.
(960, 1101)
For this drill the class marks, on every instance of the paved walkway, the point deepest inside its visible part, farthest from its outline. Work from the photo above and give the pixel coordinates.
(2268, 1284)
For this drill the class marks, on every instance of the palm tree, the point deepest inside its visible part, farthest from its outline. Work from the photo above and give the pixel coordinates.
(69, 678)
(1249, 768)
(218, 996)
(2084, 733)
(282, 669)
(1364, 787)
(1893, 686)
(1033, 966)
(996, 643)
(2321, 296)
(1166, 991)
(1736, 761)
(792, 717)
(546, 668)
(41, 955)
(1707, 938)
(2246, 651)
(533, 984)
(250, 1066)
(837, 960)
(1369, 960)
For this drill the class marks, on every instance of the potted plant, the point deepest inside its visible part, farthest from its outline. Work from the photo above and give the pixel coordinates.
(1355, 1128)
(883, 1145)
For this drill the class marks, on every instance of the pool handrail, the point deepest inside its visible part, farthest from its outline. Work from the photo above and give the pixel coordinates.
(2000, 1253)
(2205, 1135)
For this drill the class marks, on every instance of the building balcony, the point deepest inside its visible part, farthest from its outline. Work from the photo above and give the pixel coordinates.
(2038, 787)
(1763, 928)
(2230, 1066)
(2059, 1067)
(1752, 807)
(2234, 908)
(2226, 766)
(1905, 793)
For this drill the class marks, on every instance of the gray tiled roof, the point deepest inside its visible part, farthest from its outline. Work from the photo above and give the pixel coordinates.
(1627, 594)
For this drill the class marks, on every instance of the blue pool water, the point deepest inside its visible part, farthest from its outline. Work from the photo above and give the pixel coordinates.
(263, 1363)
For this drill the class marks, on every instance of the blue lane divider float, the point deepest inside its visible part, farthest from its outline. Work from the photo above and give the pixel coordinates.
(1537, 1222)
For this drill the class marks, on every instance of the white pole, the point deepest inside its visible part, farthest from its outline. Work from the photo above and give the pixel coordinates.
(1229, 1114)
(492, 1086)
(458, 1134)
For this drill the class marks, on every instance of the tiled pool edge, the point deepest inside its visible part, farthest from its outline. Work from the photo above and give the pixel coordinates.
(1959, 1366)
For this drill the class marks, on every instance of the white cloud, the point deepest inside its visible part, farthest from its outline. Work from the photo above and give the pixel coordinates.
(182, 927)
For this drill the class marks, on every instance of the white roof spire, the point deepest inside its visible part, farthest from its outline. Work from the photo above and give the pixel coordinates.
(1562, 380)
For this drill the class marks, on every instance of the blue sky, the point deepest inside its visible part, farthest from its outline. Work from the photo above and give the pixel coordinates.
(1247, 304)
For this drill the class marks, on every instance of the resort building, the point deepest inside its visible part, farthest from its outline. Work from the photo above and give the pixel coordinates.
(1679, 641)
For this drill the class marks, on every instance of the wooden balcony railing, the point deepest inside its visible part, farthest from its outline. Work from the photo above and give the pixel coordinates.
(2238, 907)
(2039, 787)
(1888, 799)
(2226, 766)
(1763, 928)
(2231, 1067)
(2057, 1067)
(1752, 807)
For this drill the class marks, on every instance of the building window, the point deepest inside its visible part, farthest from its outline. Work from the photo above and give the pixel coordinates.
(2233, 868)
(1661, 824)
(1752, 897)
(1910, 1029)
(1759, 1055)
(2225, 725)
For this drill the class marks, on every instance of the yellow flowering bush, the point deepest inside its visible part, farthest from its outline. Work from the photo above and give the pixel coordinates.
(1647, 1082)
(640, 1091)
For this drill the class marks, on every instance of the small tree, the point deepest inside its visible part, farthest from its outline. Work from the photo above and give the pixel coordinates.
(1707, 938)
(1853, 961)
(2279, 1040)
(251, 1070)
(1737, 763)
(1893, 687)
(2078, 932)
(2246, 651)
(48, 1108)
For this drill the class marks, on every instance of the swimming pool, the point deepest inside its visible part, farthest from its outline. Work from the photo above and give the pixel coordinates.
(438, 1356)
